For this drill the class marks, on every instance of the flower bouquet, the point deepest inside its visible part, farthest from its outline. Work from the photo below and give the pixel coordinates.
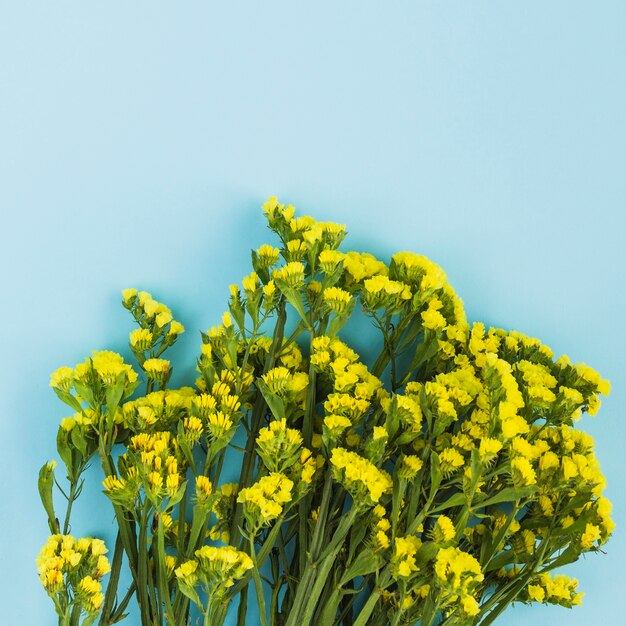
(436, 484)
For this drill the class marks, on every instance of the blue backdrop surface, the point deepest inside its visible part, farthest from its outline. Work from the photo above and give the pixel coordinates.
(138, 141)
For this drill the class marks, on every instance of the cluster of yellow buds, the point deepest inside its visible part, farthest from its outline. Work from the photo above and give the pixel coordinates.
(153, 316)
(222, 507)
(381, 292)
(403, 563)
(457, 574)
(265, 500)
(214, 570)
(90, 380)
(71, 569)
(353, 389)
(559, 589)
(365, 482)
(315, 235)
(456, 450)
(159, 410)
(219, 412)
(279, 446)
(156, 460)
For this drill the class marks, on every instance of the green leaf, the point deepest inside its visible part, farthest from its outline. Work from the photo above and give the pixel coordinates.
(365, 563)
(568, 556)
(64, 449)
(295, 299)
(44, 484)
(456, 500)
(426, 553)
(435, 473)
(85, 392)
(509, 494)
(178, 496)
(114, 394)
(392, 422)
(275, 404)
(68, 399)
(78, 440)
(339, 321)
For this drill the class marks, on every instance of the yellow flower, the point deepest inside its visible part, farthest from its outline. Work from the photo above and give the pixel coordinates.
(361, 478)
(163, 319)
(129, 295)
(444, 530)
(330, 259)
(536, 593)
(523, 473)
(62, 378)
(250, 283)
(337, 299)
(176, 328)
(409, 466)
(470, 606)
(403, 560)
(489, 448)
(268, 255)
(156, 369)
(89, 585)
(292, 274)
(590, 536)
(141, 338)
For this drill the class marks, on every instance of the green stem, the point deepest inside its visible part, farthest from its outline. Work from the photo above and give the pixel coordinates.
(368, 608)
(148, 607)
(162, 578)
(114, 578)
(256, 421)
(258, 584)
(243, 606)
(70, 501)
(121, 607)
(128, 536)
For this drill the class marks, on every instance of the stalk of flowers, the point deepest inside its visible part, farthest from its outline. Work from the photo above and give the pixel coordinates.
(70, 571)
(438, 485)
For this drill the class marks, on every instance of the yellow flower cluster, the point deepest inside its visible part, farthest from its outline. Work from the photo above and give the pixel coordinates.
(157, 369)
(363, 480)
(159, 410)
(409, 466)
(150, 314)
(291, 275)
(217, 413)
(353, 387)
(337, 300)
(437, 475)
(403, 564)
(282, 382)
(458, 574)
(102, 368)
(264, 501)
(559, 589)
(443, 530)
(72, 568)
(381, 292)
(418, 271)
(214, 570)
(279, 446)
(153, 460)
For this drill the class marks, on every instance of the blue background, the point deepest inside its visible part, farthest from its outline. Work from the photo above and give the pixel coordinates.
(139, 139)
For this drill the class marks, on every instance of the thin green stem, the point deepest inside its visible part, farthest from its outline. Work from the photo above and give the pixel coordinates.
(111, 591)
(258, 584)
(70, 501)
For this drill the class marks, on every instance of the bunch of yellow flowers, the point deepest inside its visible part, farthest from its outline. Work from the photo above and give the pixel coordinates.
(71, 570)
(437, 483)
